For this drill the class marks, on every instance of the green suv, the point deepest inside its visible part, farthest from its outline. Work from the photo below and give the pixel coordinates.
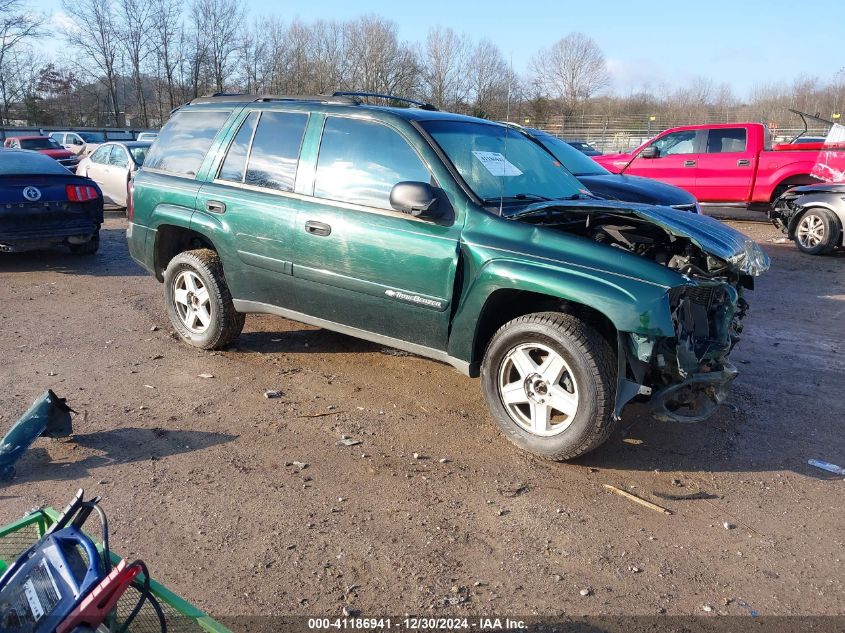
(450, 237)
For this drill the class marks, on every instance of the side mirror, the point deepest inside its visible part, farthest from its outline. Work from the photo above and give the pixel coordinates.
(418, 199)
(650, 152)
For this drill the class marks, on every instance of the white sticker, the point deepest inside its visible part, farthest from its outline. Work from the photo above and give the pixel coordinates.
(497, 164)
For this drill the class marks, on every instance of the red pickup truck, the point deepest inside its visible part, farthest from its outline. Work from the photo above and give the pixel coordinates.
(728, 163)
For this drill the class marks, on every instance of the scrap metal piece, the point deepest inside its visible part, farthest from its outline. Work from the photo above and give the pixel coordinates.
(49, 416)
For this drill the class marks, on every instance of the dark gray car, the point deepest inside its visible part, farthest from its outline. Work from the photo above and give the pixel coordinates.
(612, 186)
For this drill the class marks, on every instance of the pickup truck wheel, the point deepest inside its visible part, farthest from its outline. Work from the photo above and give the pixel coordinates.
(549, 380)
(198, 300)
(817, 232)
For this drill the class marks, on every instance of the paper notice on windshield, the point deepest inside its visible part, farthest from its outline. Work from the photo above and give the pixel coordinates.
(497, 164)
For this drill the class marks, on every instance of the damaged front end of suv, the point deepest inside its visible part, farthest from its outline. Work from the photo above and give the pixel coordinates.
(687, 375)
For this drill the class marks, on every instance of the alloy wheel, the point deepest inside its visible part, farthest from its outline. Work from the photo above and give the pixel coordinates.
(810, 232)
(538, 389)
(192, 301)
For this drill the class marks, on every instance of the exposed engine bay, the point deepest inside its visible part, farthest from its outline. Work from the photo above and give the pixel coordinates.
(687, 375)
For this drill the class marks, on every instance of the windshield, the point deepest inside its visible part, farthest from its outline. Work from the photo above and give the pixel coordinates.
(501, 165)
(39, 143)
(138, 154)
(92, 137)
(578, 163)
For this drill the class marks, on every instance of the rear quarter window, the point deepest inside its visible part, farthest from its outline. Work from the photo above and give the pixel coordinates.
(183, 143)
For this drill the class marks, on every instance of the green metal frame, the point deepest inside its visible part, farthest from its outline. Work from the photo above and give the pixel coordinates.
(45, 517)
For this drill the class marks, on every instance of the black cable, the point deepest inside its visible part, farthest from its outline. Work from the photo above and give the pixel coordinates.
(146, 595)
(104, 524)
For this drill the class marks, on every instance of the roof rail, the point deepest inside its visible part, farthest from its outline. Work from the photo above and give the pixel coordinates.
(219, 97)
(418, 104)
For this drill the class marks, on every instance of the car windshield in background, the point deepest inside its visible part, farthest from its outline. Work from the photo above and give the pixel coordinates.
(578, 163)
(92, 137)
(16, 163)
(39, 143)
(138, 154)
(501, 165)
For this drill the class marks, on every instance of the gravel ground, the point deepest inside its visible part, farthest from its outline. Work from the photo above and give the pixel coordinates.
(247, 505)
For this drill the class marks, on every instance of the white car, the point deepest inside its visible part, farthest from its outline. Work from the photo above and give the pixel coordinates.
(112, 166)
(80, 143)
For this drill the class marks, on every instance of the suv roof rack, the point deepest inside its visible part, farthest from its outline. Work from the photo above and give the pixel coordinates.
(418, 104)
(338, 98)
(252, 98)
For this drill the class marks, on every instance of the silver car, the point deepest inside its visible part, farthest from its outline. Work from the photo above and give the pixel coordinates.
(112, 166)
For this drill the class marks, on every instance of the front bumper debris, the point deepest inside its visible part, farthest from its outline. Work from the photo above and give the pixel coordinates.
(696, 398)
(48, 416)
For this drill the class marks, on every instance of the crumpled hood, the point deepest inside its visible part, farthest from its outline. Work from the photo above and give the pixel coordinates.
(742, 253)
(636, 189)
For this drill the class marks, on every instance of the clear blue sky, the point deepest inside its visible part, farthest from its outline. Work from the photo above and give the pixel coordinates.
(742, 43)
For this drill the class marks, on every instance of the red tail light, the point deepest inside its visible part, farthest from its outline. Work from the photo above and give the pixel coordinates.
(130, 208)
(81, 193)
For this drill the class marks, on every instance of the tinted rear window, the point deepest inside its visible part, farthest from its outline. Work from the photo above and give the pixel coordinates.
(275, 150)
(39, 143)
(15, 162)
(183, 143)
(726, 141)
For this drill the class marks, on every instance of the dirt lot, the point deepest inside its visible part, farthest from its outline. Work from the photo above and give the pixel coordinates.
(199, 478)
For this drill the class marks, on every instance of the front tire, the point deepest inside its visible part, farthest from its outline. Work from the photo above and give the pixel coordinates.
(199, 303)
(817, 232)
(549, 381)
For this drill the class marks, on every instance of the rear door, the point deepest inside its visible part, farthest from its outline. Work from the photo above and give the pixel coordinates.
(725, 167)
(251, 205)
(97, 164)
(116, 175)
(368, 266)
(676, 162)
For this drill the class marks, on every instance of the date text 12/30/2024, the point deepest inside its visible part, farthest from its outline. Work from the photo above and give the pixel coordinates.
(416, 624)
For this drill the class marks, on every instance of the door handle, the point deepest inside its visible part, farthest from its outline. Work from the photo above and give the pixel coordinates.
(743, 162)
(215, 206)
(313, 227)
(689, 163)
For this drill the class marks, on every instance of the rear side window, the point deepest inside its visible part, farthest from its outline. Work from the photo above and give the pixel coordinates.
(184, 141)
(361, 161)
(726, 141)
(118, 156)
(274, 154)
(235, 163)
(101, 154)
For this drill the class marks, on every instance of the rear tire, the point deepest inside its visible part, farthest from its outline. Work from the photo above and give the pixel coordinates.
(198, 300)
(87, 248)
(817, 231)
(549, 381)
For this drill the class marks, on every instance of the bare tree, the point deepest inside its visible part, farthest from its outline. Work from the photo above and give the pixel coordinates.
(490, 80)
(443, 62)
(136, 17)
(329, 57)
(572, 70)
(165, 39)
(17, 27)
(216, 24)
(94, 33)
(379, 61)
